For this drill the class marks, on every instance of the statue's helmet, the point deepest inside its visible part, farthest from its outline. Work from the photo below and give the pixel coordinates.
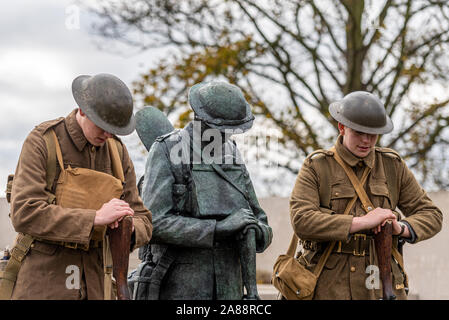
(362, 111)
(221, 106)
(106, 101)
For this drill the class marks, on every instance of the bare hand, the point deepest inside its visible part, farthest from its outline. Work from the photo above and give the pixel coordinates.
(112, 212)
(372, 220)
(115, 224)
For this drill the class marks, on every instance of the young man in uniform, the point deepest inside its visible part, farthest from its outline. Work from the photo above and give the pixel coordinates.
(63, 236)
(323, 190)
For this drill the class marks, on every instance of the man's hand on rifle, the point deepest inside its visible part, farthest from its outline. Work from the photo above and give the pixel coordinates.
(397, 229)
(376, 219)
(372, 220)
(112, 212)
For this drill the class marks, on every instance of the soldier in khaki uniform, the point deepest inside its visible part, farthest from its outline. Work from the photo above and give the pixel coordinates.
(105, 110)
(323, 190)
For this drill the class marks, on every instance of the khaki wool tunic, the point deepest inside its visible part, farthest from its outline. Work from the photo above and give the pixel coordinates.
(47, 267)
(344, 275)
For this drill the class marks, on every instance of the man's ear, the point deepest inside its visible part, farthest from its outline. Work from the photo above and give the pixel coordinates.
(341, 129)
(82, 114)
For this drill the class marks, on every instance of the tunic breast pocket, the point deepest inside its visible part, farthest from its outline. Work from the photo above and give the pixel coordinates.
(340, 196)
(380, 196)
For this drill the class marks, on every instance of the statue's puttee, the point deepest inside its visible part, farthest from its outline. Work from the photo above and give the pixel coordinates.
(208, 224)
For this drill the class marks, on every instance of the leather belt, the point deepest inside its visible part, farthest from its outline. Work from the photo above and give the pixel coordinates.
(358, 245)
(75, 245)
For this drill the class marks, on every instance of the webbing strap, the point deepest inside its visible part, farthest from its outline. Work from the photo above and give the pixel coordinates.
(51, 163)
(366, 202)
(320, 265)
(117, 170)
(326, 254)
(222, 174)
(9, 275)
(57, 148)
(107, 268)
(116, 162)
(367, 205)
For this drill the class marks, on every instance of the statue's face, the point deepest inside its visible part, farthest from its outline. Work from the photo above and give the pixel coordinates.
(360, 144)
(207, 132)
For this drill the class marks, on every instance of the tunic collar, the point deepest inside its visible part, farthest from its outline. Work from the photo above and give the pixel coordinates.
(75, 131)
(350, 158)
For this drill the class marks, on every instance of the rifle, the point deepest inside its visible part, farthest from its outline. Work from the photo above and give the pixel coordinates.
(120, 243)
(383, 242)
(247, 250)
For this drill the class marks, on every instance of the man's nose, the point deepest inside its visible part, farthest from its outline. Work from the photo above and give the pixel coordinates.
(366, 137)
(107, 134)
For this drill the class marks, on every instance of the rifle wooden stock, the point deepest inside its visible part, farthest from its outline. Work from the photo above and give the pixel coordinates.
(383, 242)
(120, 242)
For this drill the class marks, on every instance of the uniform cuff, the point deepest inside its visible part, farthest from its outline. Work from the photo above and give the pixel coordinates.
(413, 237)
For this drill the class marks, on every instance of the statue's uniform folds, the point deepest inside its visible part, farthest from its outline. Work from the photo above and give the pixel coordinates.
(185, 215)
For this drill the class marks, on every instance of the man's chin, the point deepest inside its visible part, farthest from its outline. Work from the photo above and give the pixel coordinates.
(361, 153)
(99, 142)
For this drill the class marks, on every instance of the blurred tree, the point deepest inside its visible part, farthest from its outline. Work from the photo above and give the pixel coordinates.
(292, 58)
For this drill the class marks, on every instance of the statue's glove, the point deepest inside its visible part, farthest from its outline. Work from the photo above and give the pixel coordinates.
(264, 235)
(256, 227)
(235, 222)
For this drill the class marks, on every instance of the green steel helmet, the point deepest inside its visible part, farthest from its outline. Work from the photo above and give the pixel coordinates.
(106, 101)
(150, 124)
(221, 105)
(362, 111)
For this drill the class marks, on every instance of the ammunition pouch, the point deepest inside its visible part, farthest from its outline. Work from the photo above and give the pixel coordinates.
(144, 282)
(357, 245)
(9, 187)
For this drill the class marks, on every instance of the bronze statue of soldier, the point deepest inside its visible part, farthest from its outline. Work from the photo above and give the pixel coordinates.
(208, 224)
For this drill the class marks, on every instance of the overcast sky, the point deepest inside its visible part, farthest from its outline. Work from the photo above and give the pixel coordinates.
(44, 45)
(42, 49)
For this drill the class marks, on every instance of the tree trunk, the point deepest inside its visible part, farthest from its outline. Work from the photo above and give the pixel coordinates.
(354, 41)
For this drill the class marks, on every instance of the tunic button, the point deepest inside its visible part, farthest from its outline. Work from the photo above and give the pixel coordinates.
(93, 149)
(352, 269)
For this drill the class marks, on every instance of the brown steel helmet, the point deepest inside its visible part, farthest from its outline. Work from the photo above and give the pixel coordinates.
(106, 101)
(362, 111)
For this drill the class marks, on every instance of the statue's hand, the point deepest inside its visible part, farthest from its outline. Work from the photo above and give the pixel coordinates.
(256, 227)
(234, 223)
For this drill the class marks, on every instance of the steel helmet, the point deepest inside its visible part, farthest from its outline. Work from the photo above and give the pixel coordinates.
(106, 101)
(221, 105)
(362, 111)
